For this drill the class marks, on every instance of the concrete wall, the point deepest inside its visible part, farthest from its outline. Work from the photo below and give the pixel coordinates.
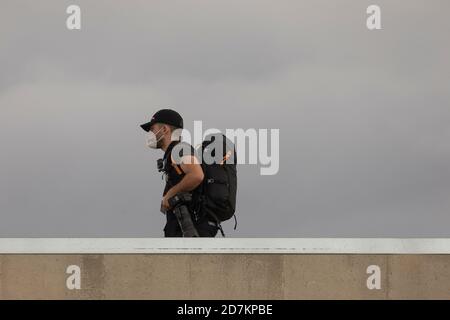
(229, 276)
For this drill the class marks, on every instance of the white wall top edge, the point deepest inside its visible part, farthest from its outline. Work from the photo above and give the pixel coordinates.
(223, 245)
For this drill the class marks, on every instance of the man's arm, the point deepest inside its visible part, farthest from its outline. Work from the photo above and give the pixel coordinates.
(192, 178)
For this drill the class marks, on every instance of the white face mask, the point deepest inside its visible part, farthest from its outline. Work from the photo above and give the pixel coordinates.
(152, 140)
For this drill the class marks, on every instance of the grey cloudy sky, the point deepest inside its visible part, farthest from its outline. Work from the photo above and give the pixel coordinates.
(364, 116)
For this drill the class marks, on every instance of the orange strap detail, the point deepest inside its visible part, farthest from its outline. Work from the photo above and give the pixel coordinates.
(227, 156)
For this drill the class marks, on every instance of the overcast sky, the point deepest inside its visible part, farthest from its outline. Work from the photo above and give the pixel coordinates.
(364, 116)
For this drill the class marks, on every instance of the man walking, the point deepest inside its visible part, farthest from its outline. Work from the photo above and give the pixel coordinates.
(185, 176)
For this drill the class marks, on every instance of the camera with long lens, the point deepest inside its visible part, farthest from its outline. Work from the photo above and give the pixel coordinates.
(179, 203)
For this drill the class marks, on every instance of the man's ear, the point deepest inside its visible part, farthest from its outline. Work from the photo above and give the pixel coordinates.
(161, 128)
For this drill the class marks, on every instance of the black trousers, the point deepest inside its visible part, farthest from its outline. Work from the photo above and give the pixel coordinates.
(204, 227)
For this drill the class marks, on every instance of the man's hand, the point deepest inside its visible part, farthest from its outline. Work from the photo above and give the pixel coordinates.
(165, 202)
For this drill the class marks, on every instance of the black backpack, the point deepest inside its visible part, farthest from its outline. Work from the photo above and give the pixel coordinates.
(219, 187)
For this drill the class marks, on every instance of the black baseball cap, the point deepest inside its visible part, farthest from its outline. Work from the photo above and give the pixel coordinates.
(166, 116)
